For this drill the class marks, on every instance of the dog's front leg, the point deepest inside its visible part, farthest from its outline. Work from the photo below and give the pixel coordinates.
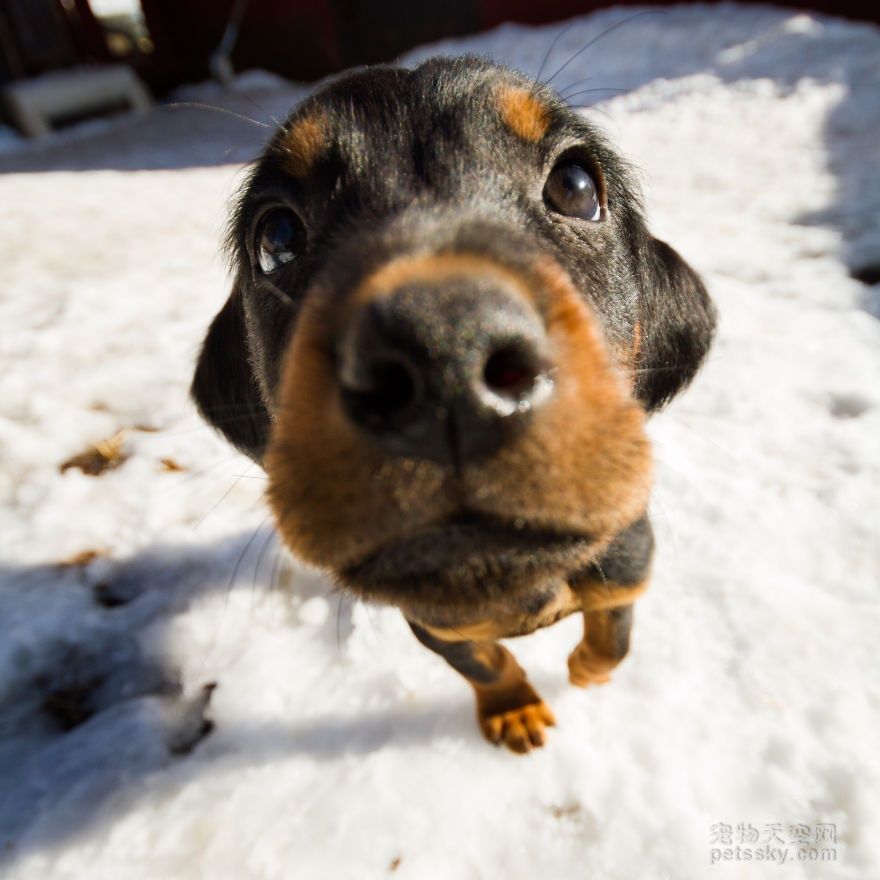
(605, 644)
(509, 709)
(606, 592)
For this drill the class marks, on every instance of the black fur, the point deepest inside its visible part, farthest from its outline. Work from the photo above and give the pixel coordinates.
(224, 387)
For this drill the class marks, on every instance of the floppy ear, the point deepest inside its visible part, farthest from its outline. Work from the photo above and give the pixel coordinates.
(677, 324)
(224, 386)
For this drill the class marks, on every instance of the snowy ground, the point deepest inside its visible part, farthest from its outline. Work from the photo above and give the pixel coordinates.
(342, 749)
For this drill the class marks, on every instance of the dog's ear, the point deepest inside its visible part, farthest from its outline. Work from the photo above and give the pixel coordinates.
(677, 322)
(224, 386)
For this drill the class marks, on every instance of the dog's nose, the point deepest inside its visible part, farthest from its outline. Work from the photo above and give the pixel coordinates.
(445, 371)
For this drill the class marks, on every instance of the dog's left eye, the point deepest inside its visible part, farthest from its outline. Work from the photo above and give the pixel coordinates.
(280, 236)
(571, 190)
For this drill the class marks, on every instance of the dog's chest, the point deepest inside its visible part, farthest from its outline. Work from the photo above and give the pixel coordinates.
(540, 609)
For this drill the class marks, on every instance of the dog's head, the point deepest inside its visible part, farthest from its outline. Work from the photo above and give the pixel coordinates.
(448, 324)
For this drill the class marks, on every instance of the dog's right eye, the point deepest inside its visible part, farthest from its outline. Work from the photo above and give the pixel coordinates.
(280, 236)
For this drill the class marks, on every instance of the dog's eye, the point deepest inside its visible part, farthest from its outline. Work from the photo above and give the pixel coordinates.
(571, 190)
(280, 236)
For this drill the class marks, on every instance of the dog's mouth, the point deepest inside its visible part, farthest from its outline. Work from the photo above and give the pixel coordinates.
(466, 560)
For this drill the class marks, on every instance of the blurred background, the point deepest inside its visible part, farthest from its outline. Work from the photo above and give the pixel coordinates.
(167, 43)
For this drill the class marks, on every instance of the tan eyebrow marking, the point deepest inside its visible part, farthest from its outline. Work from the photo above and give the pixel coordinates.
(523, 113)
(303, 143)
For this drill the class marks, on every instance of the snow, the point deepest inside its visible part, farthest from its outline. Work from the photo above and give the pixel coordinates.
(341, 748)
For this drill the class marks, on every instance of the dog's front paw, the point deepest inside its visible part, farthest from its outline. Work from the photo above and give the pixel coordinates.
(521, 729)
(586, 668)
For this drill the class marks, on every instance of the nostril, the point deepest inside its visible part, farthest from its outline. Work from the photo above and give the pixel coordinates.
(387, 388)
(511, 372)
(515, 380)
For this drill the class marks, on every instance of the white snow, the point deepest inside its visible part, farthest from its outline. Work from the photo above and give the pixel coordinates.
(342, 748)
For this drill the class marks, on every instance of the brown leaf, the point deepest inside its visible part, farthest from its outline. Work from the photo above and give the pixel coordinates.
(80, 559)
(103, 456)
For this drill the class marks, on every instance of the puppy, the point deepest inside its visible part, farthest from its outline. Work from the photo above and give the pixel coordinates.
(448, 325)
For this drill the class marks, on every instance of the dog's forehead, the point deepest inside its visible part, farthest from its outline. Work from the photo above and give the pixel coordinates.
(466, 106)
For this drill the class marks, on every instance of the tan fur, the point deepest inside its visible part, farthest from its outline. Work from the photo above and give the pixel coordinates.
(303, 143)
(598, 595)
(501, 626)
(637, 343)
(523, 113)
(434, 270)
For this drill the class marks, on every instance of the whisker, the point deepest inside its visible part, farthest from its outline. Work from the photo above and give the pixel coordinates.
(281, 295)
(370, 611)
(645, 371)
(259, 564)
(241, 556)
(592, 107)
(275, 121)
(584, 79)
(243, 407)
(706, 438)
(562, 31)
(665, 516)
(590, 43)
(184, 478)
(277, 565)
(197, 105)
(597, 565)
(219, 501)
(342, 600)
(616, 91)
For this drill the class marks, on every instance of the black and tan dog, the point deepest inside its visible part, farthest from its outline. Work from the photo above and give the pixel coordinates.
(448, 325)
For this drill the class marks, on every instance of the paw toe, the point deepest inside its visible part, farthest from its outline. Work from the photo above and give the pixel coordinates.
(521, 729)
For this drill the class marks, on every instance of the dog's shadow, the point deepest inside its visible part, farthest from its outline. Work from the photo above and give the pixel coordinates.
(91, 704)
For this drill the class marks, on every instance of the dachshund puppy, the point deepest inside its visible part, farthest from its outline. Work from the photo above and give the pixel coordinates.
(447, 327)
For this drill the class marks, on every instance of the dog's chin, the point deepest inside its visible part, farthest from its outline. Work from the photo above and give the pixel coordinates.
(466, 564)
